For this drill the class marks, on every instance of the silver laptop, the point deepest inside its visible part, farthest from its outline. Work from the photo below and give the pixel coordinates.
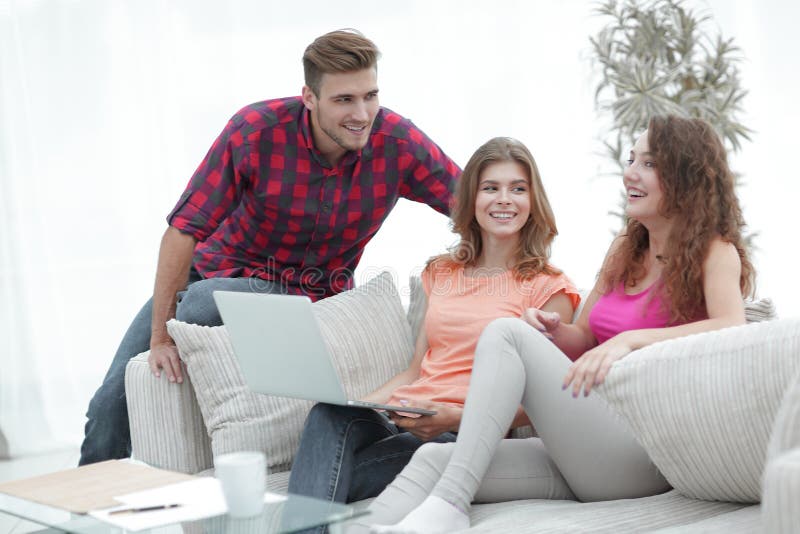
(281, 351)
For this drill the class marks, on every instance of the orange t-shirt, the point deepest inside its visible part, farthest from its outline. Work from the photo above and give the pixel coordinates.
(459, 308)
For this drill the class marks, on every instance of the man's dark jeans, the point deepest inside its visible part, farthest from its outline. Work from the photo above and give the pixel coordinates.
(107, 434)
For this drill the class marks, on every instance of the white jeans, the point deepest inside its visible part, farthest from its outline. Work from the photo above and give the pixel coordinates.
(585, 450)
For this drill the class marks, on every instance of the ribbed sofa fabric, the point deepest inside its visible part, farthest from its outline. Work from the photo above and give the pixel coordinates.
(368, 337)
(167, 427)
(780, 507)
(167, 430)
(417, 305)
(785, 433)
(781, 487)
(759, 310)
(703, 406)
(668, 512)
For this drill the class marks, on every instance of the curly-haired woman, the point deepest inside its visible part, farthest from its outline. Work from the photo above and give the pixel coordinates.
(500, 269)
(678, 268)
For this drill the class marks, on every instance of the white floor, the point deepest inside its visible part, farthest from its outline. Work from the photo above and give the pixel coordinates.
(29, 466)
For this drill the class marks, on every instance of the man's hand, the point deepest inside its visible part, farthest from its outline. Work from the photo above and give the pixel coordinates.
(165, 356)
(427, 427)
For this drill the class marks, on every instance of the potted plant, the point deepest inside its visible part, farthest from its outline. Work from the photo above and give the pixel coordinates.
(659, 57)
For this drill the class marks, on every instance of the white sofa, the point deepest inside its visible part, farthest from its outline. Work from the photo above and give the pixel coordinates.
(715, 411)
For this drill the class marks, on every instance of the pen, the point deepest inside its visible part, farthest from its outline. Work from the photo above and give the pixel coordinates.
(144, 509)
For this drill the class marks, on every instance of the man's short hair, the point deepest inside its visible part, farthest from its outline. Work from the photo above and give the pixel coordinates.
(338, 51)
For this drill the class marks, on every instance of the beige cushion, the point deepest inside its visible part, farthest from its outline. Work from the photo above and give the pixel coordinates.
(759, 310)
(417, 305)
(703, 406)
(368, 337)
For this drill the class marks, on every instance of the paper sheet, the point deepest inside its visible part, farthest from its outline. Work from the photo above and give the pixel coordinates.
(199, 498)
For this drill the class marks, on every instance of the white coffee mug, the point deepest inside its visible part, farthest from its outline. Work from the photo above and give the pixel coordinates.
(243, 476)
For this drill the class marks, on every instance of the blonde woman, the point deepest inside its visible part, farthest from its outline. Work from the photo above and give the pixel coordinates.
(500, 268)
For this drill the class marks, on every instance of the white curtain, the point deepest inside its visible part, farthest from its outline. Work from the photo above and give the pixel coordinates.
(30, 285)
(107, 107)
(94, 126)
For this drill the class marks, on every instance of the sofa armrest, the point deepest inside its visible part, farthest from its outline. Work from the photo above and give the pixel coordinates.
(781, 493)
(167, 428)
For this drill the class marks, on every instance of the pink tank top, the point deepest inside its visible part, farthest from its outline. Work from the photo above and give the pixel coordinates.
(617, 312)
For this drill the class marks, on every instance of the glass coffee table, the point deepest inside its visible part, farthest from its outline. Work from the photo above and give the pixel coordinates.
(295, 513)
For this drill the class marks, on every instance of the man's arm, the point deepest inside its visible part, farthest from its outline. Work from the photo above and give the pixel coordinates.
(212, 194)
(174, 261)
(430, 176)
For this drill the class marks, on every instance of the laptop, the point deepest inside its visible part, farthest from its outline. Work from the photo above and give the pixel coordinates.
(281, 352)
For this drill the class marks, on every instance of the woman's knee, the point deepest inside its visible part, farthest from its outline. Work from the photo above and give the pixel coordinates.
(509, 332)
(510, 329)
(517, 332)
(504, 325)
(322, 422)
(322, 413)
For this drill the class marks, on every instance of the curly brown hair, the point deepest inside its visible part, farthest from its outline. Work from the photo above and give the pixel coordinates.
(533, 249)
(700, 199)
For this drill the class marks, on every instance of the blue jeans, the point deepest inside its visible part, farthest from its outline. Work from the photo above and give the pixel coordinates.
(107, 434)
(347, 454)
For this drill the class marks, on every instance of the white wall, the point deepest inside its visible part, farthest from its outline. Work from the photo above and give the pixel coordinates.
(108, 106)
(770, 46)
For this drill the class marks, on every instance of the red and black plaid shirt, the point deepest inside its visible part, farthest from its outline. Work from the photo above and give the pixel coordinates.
(265, 203)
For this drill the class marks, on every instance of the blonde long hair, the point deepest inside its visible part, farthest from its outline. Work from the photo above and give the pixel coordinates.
(533, 249)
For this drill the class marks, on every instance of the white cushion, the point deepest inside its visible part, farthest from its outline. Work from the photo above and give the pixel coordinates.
(785, 433)
(369, 340)
(703, 406)
(780, 509)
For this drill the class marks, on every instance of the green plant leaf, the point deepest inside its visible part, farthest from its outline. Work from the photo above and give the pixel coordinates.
(657, 57)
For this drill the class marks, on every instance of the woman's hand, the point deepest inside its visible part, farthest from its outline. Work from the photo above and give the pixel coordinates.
(427, 427)
(545, 322)
(591, 369)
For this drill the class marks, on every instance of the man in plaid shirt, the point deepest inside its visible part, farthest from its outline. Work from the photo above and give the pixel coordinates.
(286, 199)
